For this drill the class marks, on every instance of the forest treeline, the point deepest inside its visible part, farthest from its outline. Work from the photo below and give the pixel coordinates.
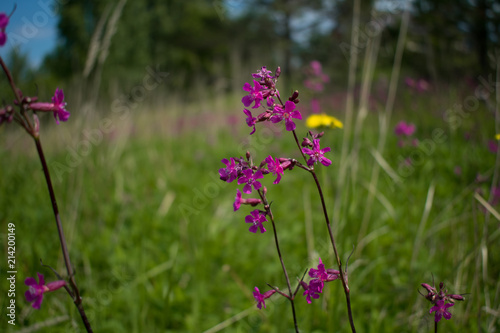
(109, 44)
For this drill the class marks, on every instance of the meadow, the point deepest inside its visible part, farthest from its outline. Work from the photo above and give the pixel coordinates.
(157, 247)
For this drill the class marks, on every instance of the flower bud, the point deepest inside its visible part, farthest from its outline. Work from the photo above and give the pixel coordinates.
(294, 96)
(304, 285)
(251, 201)
(306, 143)
(428, 287)
(269, 293)
(457, 297)
(278, 72)
(264, 116)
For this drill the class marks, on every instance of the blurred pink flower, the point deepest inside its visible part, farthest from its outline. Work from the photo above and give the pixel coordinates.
(404, 129)
(315, 77)
(4, 20)
(493, 146)
(419, 85)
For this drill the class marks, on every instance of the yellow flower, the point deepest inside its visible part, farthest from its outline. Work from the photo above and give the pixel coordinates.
(497, 136)
(323, 120)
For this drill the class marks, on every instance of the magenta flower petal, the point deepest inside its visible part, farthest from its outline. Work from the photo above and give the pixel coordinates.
(237, 200)
(36, 290)
(4, 20)
(441, 310)
(256, 218)
(251, 180)
(259, 298)
(317, 154)
(274, 166)
(255, 94)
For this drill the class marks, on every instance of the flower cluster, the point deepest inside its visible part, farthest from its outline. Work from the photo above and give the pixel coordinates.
(419, 85)
(404, 131)
(315, 80)
(316, 154)
(441, 300)
(36, 290)
(248, 176)
(264, 88)
(263, 94)
(319, 277)
(315, 77)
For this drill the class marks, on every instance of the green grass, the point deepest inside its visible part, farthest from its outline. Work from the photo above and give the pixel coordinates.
(157, 248)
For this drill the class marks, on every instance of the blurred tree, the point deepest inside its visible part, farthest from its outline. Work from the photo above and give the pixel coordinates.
(284, 17)
(456, 36)
(182, 37)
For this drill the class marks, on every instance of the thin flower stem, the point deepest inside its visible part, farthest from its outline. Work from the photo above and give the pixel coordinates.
(76, 297)
(24, 122)
(332, 239)
(270, 214)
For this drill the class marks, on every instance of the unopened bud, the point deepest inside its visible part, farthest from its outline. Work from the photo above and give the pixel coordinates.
(294, 96)
(306, 143)
(457, 297)
(278, 72)
(288, 164)
(251, 201)
(264, 116)
(428, 287)
(304, 285)
(269, 293)
(247, 155)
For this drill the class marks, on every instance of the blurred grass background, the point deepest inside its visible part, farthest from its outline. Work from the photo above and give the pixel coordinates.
(151, 230)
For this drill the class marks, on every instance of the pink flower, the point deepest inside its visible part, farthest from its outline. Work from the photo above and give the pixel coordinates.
(317, 154)
(4, 20)
(441, 310)
(57, 106)
(260, 298)
(404, 129)
(251, 180)
(492, 146)
(238, 201)
(230, 172)
(316, 77)
(262, 74)
(250, 120)
(288, 113)
(313, 290)
(274, 167)
(256, 218)
(255, 94)
(36, 290)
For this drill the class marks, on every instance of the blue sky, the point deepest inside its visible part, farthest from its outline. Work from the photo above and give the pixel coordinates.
(32, 27)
